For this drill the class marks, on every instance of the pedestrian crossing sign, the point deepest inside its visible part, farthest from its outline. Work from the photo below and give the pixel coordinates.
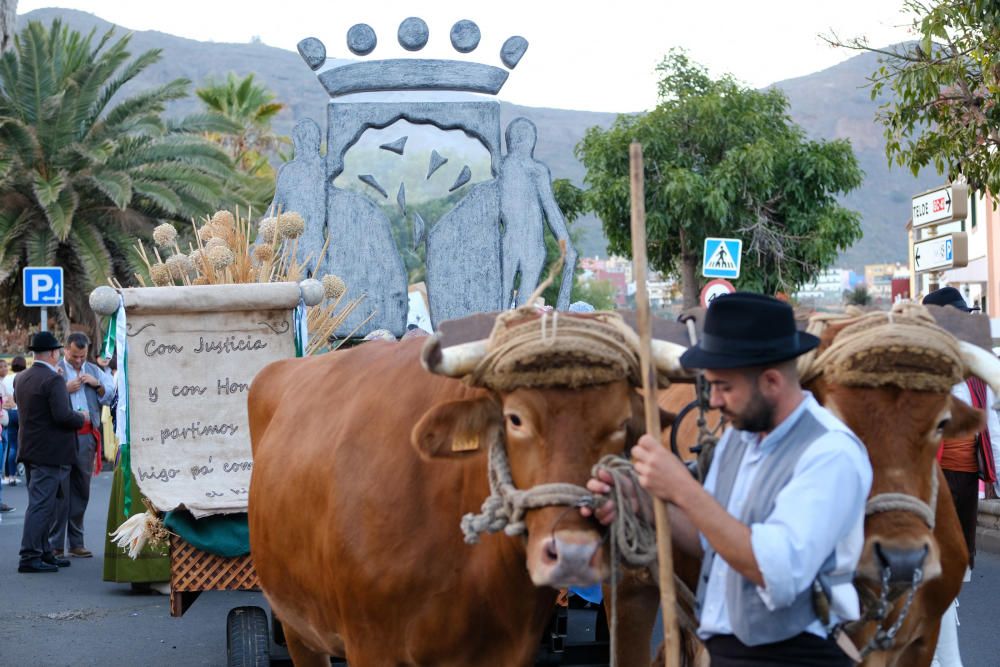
(722, 258)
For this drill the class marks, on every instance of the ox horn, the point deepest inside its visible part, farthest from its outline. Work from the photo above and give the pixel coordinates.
(453, 361)
(667, 358)
(983, 365)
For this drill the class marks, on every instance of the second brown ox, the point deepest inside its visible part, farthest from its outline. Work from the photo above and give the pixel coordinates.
(913, 539)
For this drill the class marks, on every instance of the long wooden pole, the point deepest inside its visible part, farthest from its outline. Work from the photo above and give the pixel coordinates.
(671, 639)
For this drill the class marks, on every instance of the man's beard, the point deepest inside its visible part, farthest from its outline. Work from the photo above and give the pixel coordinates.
(758, 417)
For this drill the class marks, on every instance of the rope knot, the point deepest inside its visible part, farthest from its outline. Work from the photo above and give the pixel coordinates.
(633, 534)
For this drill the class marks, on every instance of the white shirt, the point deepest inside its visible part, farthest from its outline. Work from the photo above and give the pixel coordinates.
(78, 399)
(819, 512)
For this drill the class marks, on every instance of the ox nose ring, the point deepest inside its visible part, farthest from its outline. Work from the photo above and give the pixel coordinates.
(901, 564)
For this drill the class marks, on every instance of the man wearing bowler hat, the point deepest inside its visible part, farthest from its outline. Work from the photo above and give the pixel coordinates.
(47, 446)
(782, 509)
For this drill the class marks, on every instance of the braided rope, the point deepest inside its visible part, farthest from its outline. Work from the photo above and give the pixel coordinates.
(633, 534)
(902, 348)
(902, 502)
(552, 349)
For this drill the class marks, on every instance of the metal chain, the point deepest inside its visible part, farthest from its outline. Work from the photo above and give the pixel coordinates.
(883, 638)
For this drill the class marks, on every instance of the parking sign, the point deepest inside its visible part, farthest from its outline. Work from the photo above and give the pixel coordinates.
(43, 286)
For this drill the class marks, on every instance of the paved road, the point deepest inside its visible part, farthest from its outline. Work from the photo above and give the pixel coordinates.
(75, 619)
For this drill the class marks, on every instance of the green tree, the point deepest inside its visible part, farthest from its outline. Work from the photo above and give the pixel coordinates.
(85, 169)
(251, 143)
(725, 160)
(859, 296)
(598, 293)
(572, 202)
(944, 109)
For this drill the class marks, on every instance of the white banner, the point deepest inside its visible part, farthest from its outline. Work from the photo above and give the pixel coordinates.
(189, 371)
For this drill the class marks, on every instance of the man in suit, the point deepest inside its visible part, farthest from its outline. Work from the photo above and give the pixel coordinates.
(47, 446)
(88, 388)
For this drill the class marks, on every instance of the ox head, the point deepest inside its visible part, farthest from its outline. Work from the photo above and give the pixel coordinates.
(902, 429)
(552, 435)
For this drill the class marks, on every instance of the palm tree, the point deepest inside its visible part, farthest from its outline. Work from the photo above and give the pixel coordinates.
(85, 169)
(250, 108)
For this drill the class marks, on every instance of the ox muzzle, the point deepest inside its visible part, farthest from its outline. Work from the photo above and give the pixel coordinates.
(567, 558)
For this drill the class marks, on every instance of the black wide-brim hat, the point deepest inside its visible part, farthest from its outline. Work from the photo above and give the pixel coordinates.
(43, 341)
(744, 330)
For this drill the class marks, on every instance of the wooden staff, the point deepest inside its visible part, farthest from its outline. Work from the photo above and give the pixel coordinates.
(671, 639)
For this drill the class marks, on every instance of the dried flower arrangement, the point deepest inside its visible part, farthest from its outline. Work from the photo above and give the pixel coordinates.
(225, 255)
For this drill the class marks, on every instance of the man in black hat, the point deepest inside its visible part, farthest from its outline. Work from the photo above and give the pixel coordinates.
(47, 446)
(782, 507)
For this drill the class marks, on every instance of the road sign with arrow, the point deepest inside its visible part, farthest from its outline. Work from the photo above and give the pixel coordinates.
(944, 204)
(950, 251)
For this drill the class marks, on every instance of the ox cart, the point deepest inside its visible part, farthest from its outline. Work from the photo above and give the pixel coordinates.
(577, 634)
(249, 635)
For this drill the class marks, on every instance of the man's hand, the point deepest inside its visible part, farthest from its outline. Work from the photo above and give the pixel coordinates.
(660, 472)
(86, 417)
(74, 384)
(89, 379)
(603, 485)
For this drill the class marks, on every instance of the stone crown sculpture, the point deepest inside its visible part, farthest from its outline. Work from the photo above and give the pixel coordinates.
(412, 74)
(492, 236)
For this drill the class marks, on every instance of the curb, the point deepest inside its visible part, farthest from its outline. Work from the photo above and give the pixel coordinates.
(988, 527)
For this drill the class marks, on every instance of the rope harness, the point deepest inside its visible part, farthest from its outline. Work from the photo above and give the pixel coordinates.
(552, 349)
(631, 534)
(904, 502)
(902, 348)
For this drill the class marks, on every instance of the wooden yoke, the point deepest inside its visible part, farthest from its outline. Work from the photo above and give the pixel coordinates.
(671, 638)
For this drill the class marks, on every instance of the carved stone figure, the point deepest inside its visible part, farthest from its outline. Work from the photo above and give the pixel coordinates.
(526, 204)
(301, 187)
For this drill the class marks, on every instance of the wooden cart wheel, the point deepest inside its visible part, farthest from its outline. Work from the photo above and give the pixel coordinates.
(248, 642)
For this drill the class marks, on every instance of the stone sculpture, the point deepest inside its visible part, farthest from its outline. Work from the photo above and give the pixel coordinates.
(474, 251)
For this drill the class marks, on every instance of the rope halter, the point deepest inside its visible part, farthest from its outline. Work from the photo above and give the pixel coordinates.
(904, 502)
(633, 534)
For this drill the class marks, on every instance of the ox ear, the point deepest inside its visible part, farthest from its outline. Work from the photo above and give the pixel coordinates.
(636, 426)
(965, 420)
(457, 429)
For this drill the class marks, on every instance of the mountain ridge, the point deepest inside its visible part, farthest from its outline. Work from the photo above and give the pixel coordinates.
(828, 104)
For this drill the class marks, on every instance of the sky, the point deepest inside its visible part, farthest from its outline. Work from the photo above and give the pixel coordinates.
(596, 55)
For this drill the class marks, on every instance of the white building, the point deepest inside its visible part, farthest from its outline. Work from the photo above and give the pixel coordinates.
(828, 286)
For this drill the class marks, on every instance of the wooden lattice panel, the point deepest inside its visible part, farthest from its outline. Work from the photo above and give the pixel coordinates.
(193, 571)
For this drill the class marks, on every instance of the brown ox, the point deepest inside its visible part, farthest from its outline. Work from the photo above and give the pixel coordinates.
(902, 430)
(354, 524)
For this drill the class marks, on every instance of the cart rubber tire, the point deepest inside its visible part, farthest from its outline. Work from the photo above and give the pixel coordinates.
(248, 643)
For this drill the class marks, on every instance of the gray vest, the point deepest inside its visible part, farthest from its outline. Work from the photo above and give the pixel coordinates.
(752, 622)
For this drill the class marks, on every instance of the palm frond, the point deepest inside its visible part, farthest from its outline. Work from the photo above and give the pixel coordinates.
(92, 254)
(116, 185)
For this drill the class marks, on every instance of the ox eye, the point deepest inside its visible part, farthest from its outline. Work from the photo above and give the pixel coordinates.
(515, 420)
(942, 425)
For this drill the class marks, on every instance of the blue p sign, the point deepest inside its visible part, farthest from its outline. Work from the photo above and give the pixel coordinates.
(43, 286)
